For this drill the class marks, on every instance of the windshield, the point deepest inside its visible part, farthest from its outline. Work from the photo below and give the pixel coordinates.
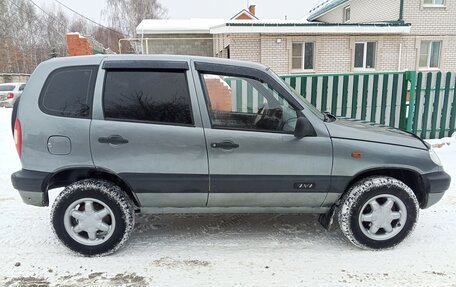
(6, 88)
(308, 105)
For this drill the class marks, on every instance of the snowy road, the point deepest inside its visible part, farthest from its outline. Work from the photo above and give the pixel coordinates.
(222, 250)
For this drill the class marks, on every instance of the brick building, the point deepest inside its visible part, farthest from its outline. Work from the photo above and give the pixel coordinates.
(337, 36)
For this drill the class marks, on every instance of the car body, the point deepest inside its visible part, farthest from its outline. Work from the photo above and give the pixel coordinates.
(9, 93)
(205, 151)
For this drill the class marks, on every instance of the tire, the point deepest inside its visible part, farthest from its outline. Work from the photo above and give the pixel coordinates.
(365, 208)
(93, 217)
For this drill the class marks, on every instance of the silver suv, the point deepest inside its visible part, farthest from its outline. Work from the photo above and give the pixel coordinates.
(180, 134)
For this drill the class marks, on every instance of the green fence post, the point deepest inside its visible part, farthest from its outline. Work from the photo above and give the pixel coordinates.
(324, 94)
(453, 112)
(403, 104)
(417, 102)
(313, 99)
(446, 99)
(374, 99)
(411, 77)
(364, 97)
(435, 106)
(355, 96)
(392, 116)
(427, 99)
(344, 96)
(335, 94)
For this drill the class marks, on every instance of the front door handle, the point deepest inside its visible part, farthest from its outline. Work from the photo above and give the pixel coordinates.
(225, 145)
(114, 139)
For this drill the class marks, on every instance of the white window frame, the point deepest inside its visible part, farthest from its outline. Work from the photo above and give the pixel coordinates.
(302, 69)
(365, 56)
(433, 4)
(428, 62)
(345, 14)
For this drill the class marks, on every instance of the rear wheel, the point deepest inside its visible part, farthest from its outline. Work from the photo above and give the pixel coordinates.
(93, 217)
(378, 212)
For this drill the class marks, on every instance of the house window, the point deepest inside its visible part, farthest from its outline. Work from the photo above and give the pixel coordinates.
(347, 12)
(434, 2)
(365, 55)
(430, 54)
(302, 57)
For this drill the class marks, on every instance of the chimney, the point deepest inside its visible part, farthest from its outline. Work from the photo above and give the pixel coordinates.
(252, 9)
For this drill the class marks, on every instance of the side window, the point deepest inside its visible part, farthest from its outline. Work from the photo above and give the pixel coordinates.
(302, 55)
(247, 104)
(68, 92)
(155, 96)
(21, 87)
(365, 55)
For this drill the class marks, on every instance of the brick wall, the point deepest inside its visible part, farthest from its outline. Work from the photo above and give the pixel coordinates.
(335, 53)
(273, 47)
(219, 94)
(430, 20)
(363, 11)
(245, 47)
(78, 45)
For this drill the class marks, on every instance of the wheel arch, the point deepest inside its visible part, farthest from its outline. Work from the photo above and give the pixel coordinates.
(67, 176)
(410, 177)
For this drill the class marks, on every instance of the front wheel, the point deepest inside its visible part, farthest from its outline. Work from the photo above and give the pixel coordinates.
(378, 212)
(93, 217)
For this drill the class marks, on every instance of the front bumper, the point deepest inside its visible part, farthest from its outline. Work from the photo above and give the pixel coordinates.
(435, 184)
(31, 186)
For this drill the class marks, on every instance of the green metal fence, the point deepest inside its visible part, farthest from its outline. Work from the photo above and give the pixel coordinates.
(434, 109)
(374, 97)
(423, 103)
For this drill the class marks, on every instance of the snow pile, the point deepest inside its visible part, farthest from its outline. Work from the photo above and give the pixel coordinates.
(445, 143)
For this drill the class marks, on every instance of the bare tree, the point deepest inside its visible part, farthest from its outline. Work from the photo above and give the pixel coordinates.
(125, 15)
(31, 34)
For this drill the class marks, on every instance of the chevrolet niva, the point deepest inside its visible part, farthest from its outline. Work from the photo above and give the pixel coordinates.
(181, 134)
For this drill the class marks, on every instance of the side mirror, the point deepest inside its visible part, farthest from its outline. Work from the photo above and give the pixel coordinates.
(303, 128)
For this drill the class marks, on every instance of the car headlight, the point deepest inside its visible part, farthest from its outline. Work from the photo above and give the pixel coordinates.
(434, 157)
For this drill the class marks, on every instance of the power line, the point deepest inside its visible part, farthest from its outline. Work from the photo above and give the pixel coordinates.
(47, 14)
(88, 19)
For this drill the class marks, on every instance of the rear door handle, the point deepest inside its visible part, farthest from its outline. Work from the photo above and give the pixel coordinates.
(225, 145)
(114, 139)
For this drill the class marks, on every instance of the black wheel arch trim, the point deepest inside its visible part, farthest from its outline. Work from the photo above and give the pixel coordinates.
(38, 181)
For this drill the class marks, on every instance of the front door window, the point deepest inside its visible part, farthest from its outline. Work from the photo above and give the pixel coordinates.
(247, 104)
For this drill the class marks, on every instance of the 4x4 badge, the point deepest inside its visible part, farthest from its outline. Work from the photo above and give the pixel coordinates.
(304, 185)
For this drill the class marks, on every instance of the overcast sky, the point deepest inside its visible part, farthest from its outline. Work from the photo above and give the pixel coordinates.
(265, 9)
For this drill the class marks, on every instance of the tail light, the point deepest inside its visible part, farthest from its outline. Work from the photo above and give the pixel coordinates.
(10, 96)
(18, 137)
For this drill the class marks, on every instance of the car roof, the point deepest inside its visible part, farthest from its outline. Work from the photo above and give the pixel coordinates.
(89, 59)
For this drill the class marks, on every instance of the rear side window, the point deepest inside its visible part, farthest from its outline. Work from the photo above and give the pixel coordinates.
(157, 96)
(22, 87)
(68, 92)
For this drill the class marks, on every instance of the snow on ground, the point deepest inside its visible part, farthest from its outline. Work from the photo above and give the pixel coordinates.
(224, 250)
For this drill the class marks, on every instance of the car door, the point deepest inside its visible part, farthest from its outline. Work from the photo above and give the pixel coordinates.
(254, 158)
(147, 129)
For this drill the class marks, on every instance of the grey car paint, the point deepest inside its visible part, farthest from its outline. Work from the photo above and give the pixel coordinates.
(267, 154)
(151, 152)
(151, 159)
(37, 126)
